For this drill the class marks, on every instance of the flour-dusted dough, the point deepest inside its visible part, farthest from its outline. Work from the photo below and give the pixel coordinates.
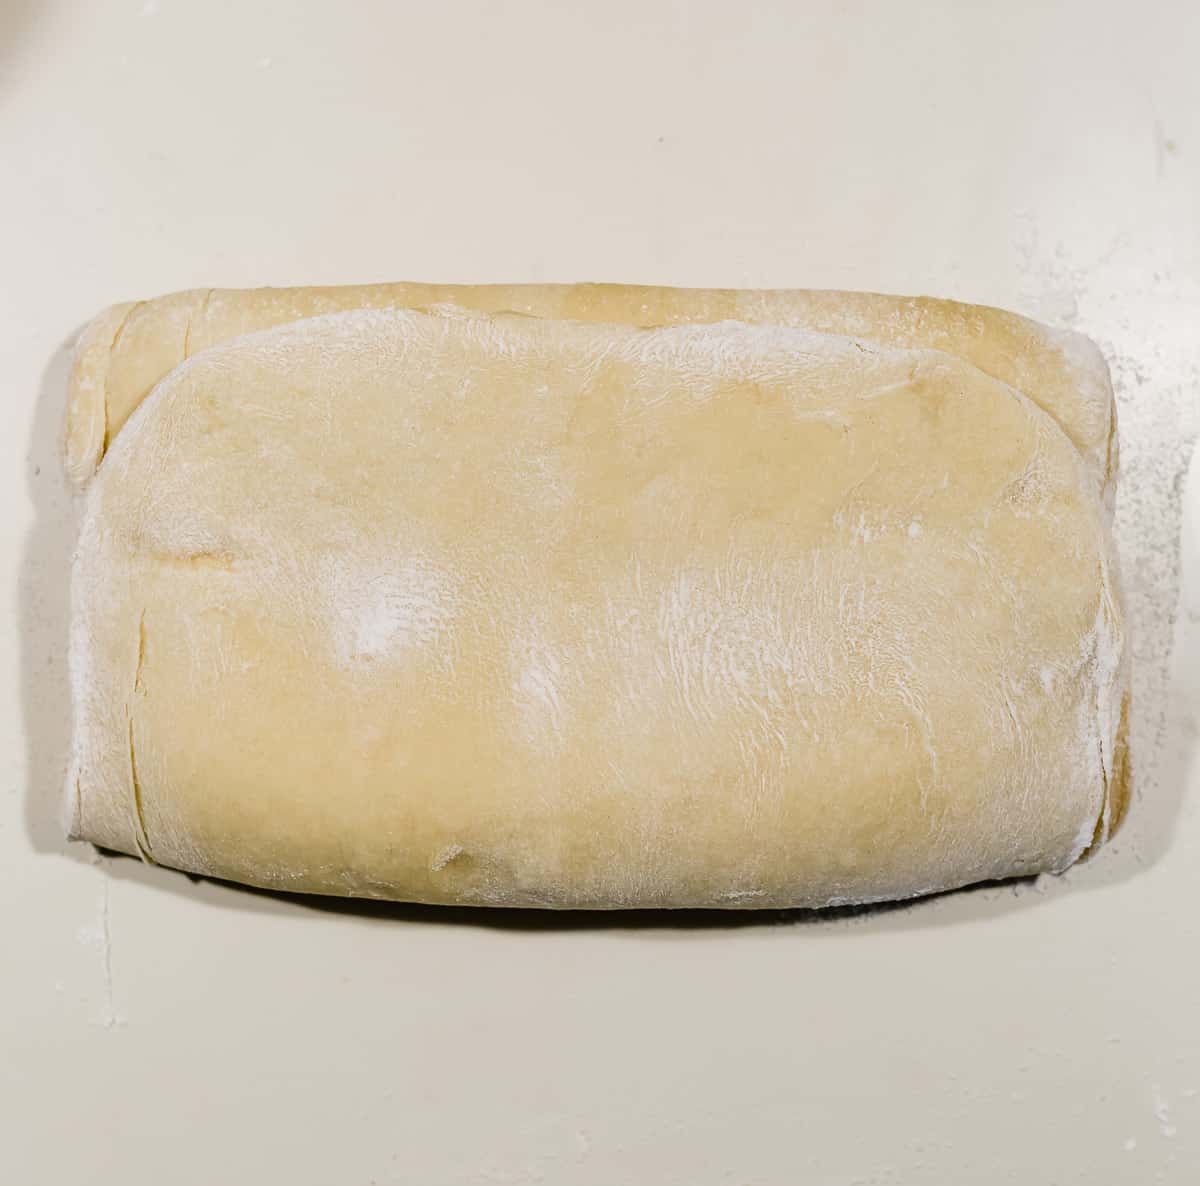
(524, 611)
(131, 347)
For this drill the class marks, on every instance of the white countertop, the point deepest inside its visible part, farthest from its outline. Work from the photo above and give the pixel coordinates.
(1039, 156)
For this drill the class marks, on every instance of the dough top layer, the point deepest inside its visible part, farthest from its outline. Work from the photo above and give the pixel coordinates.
(127, 350)
(497, 609)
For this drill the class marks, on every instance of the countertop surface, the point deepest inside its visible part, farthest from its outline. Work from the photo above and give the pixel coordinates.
(1039, 156)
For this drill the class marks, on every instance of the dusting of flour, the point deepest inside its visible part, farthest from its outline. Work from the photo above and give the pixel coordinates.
(1144, 319)
(385, 607)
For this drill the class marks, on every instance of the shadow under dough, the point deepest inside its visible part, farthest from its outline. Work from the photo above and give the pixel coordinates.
(44, 600)
(973, 901)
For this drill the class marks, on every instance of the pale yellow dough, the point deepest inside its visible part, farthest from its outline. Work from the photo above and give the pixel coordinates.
(519, 610)
(130, 347)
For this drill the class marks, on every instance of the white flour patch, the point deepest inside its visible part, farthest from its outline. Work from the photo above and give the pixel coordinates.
(1162, 1112)
(385, 609)
(445, 856)
(538, 688)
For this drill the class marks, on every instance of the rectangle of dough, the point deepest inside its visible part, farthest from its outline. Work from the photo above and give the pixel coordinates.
(627, 597)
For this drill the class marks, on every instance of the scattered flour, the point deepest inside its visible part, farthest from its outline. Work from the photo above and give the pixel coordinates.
(1144, 320)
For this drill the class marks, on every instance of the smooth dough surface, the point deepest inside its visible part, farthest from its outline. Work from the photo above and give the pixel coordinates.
(453, 607)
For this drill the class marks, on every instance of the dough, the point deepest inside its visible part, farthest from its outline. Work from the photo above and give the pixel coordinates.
(127, 350)
(453, 607)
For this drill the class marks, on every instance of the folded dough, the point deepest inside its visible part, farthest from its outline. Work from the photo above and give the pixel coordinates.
(130, 347)
(518, 610)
